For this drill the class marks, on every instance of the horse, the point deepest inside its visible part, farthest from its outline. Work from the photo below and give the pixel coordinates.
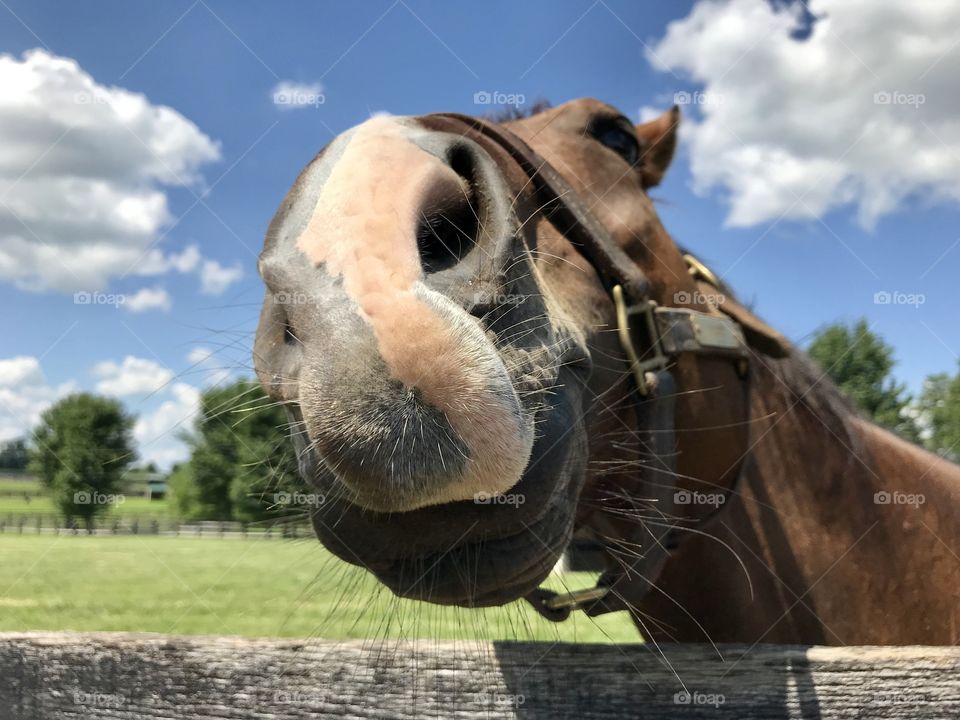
(496, 344)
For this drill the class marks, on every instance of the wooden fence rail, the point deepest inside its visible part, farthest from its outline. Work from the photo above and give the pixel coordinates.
(124, 676)
(46, 524)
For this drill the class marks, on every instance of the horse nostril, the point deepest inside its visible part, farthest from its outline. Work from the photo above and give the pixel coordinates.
(444, 238)
(447, 233)
(289, 336)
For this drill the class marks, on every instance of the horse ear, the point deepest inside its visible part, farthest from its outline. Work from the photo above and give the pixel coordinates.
(658, 141)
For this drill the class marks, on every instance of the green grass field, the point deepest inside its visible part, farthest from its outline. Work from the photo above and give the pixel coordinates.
(243, 587)
(12, 501)
(19, 484)
(131, 507)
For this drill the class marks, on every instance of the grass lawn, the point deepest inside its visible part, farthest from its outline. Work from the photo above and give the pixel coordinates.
(19, 484)
(244, 587)
(12, 502)
(130, 507)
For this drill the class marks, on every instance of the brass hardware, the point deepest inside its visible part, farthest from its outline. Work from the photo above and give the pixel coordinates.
(576, 599)
(637, 366)
(699, 271)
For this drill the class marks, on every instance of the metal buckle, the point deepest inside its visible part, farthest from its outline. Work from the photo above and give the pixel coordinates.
(639, 367)
(576, 599)
(699, 271)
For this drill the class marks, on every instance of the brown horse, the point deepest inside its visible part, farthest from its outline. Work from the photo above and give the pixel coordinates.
(487, 340)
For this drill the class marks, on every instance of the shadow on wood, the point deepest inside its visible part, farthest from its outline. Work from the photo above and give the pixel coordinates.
(123, 676)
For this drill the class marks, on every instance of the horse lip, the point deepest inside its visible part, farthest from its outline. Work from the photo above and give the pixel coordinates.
(499, 568)
(442, 585)
(505, 555)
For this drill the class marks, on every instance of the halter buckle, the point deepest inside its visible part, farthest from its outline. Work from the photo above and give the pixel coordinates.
(576, 599)
(699, 271)
(658, 360)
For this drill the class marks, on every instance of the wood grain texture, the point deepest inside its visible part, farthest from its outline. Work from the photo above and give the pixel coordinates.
(125, 676)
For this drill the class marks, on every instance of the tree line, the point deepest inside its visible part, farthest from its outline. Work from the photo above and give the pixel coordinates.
(240, 460)
(861, 364)
(242, 463)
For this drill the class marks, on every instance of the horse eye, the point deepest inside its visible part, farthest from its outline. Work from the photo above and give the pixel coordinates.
(622, 142)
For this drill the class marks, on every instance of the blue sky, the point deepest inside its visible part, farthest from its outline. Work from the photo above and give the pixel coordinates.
(875, 211)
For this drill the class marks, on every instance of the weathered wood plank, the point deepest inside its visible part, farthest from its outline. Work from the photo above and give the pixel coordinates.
(129, 677)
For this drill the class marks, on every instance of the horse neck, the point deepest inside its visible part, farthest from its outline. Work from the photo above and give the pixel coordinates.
(807, 523)
(828, 484)
(816, 434)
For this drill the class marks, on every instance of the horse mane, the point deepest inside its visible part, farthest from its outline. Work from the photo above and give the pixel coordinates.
(801, 382)
(510, 113)
(808, 383)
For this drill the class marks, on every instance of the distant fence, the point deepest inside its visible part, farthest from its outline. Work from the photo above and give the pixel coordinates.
(45, 524)
(106, 676)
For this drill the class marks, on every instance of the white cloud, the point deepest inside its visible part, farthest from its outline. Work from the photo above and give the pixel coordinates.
(156, 263)
(20, 370)
(199, 355)
(291, 95)
(24, 395)
(216, 278)
(148, 299)
(205, 359)
(82, 172)
(133, 376)
(863, 112)
(157, 433)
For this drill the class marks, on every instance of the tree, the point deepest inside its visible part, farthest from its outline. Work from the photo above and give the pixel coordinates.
(14, 455)
(939, 407)
(81, 448)
(860, 363)
(183, 491)
(241, 457)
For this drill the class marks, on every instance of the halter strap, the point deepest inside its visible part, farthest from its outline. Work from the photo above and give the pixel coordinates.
(651, 336)
(566, 209)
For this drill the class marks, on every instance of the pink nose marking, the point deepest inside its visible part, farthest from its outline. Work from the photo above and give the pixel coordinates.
(364, 229)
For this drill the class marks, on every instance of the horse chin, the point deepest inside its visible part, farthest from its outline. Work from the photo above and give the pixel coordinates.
(477, 574)
(473, 569)
(480, 552)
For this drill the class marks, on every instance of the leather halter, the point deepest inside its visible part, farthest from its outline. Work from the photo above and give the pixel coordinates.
(651, 336)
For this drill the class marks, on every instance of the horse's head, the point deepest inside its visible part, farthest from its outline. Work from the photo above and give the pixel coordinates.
(449, 352)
